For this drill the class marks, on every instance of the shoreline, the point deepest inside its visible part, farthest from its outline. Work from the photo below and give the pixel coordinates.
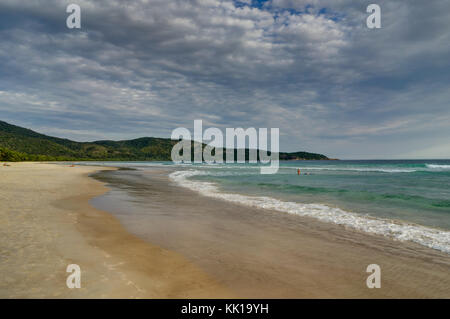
(175, 243)
(394, 229)
(259, 253)
(48, 224)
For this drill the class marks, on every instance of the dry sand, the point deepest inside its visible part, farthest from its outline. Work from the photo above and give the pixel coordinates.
(46, 224)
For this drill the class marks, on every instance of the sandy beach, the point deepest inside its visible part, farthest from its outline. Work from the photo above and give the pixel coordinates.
(156, 240)
(46, 223)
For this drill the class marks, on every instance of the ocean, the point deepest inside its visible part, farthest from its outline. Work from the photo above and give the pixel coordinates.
(407, 200)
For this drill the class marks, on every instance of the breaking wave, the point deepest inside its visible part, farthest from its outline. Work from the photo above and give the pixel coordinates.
(426, 236)
(436, 166)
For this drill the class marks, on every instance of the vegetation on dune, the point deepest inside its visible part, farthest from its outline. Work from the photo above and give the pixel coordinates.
(13, 156)
(20, 144)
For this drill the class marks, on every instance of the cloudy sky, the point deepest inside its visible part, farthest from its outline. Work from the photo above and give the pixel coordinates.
(312, 68)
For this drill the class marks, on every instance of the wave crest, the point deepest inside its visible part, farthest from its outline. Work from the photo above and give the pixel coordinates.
(426, 236)
(438, 166)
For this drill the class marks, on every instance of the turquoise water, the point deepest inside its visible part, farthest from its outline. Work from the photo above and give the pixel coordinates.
(406, 200)
(414, 191)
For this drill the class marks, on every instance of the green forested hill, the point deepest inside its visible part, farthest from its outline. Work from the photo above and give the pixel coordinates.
(302, 156)
(20, 144)
(35, 146)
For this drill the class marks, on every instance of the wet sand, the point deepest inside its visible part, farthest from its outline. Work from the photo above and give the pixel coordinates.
(46, 223)
(258, 253)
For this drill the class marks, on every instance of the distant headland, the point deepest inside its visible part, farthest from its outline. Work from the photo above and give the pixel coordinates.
(21, 144)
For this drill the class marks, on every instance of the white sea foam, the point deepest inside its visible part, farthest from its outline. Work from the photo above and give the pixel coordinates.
(426, 236)
(436, 166)
(360, 169)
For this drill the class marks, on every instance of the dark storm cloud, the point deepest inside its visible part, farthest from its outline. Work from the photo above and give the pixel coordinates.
(311, 68)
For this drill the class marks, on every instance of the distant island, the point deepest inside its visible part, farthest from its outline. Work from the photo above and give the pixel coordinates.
(21, 144)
